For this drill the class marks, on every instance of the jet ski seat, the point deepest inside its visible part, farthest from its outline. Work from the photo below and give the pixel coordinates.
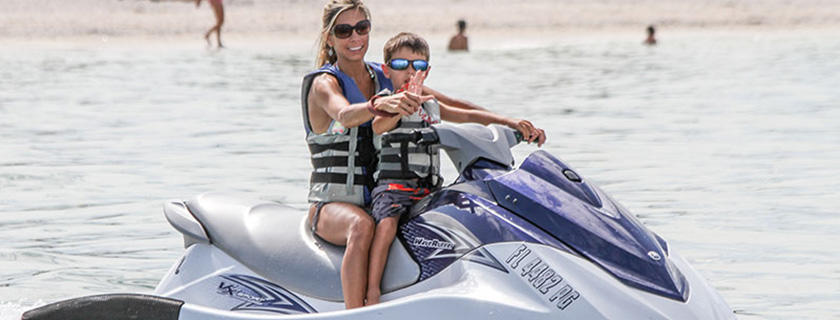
(275, 241)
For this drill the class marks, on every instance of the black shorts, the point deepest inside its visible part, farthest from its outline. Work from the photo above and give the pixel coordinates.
(394, 198)
(313, 222)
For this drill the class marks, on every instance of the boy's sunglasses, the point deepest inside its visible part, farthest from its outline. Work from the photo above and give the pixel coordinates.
(344, 31)
(402, 64)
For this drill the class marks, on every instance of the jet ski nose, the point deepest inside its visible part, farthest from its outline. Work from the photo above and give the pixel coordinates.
(590, 223)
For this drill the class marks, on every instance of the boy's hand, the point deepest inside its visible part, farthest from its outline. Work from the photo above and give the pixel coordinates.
(529, 132)
(415, 83)
(408, 98)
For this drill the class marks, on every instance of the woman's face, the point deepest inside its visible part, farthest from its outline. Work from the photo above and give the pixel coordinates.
(354, 47)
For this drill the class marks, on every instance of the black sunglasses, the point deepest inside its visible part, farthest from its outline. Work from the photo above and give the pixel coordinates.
(344, 31)
(402, 64)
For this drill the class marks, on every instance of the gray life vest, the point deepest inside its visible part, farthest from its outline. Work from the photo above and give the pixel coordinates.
(407, 160)
(343, 159)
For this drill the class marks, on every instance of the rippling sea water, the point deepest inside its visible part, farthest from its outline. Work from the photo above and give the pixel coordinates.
(726, 144)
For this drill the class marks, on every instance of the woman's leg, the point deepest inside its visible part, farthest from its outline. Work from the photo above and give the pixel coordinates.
(382, 239)
(219, 11)
(207, 36)
(346, 224)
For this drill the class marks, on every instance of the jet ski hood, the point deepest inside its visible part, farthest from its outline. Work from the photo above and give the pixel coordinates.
(554, 198)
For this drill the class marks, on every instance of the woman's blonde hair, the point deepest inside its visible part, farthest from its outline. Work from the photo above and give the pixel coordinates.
(331, 11)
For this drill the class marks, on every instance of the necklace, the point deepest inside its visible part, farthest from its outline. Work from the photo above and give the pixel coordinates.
(369, 71)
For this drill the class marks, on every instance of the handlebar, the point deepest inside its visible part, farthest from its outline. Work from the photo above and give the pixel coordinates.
(464, 143)
(427, 136)
(419, 136)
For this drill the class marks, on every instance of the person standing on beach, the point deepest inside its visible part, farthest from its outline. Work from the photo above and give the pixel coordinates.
(651, 40)
(219, 11)
(459, 41)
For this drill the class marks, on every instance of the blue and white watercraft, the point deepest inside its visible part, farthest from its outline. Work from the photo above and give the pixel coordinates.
(534, 242)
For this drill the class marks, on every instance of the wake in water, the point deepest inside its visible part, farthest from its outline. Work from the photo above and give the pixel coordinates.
(14, 310)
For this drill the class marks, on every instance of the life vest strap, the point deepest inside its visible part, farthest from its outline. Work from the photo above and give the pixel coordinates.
(318, 148)
(338, 178)
(335, 161)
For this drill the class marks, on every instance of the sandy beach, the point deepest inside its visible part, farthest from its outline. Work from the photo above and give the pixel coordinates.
(294, 19)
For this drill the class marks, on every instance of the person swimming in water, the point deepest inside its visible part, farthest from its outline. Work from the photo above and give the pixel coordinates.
(459, 42)
(651, 40)
(219, 11)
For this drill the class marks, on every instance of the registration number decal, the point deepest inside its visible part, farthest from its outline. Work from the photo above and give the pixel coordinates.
(542, 277)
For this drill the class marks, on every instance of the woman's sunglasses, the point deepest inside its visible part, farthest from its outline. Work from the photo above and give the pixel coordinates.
(344, 31)
(402, 64)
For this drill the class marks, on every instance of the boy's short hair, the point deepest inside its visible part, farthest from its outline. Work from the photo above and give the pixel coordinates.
(405, 40)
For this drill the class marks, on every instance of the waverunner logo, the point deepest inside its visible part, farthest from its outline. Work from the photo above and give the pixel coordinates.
(451, 243)
(433, 243)
(542, 277)
(259, 295)
(455, 244)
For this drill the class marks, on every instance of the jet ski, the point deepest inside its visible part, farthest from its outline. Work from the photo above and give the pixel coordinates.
(534, 242)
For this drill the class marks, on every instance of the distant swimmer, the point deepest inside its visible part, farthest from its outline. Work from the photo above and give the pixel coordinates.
(651, 40)
(459, 41)
(219, 11)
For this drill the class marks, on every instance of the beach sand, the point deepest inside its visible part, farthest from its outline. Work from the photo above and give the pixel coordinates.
(294, 20)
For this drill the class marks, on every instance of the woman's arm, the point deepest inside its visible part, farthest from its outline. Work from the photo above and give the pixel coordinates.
(457, 103)
(384, 124)
(528, 130)
(326, 102)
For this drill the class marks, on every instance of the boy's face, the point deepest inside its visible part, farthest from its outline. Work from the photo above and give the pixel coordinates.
(400, 77)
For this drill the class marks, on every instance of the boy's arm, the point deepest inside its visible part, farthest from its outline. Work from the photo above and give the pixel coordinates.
(456, 103)
(460, 115)
(383, 124)
(529, 131)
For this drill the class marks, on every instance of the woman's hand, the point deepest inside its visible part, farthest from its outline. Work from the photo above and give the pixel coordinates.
(410, 97)
(403, 103)
(529, 132)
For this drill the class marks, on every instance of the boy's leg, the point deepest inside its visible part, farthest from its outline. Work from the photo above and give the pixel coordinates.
(382, 239)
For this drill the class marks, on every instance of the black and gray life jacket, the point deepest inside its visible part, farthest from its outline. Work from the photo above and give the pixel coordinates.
(407, 160)
(343, 159)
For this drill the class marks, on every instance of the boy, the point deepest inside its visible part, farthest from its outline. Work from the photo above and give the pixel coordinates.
(405, 175)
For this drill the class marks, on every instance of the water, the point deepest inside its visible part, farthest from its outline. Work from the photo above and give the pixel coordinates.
(726, 144)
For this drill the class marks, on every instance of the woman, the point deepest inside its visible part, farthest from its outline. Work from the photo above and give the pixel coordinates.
(219, 12)
(338, 105)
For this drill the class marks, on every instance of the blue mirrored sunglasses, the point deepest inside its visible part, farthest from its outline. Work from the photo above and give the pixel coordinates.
(402, 64)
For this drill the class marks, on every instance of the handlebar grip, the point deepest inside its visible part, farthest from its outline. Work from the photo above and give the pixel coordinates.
(519, 136)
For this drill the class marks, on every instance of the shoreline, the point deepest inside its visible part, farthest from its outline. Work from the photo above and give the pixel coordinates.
(483, 38)
(298, 21)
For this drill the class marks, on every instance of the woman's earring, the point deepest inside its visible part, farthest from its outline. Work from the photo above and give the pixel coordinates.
(330, 52)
